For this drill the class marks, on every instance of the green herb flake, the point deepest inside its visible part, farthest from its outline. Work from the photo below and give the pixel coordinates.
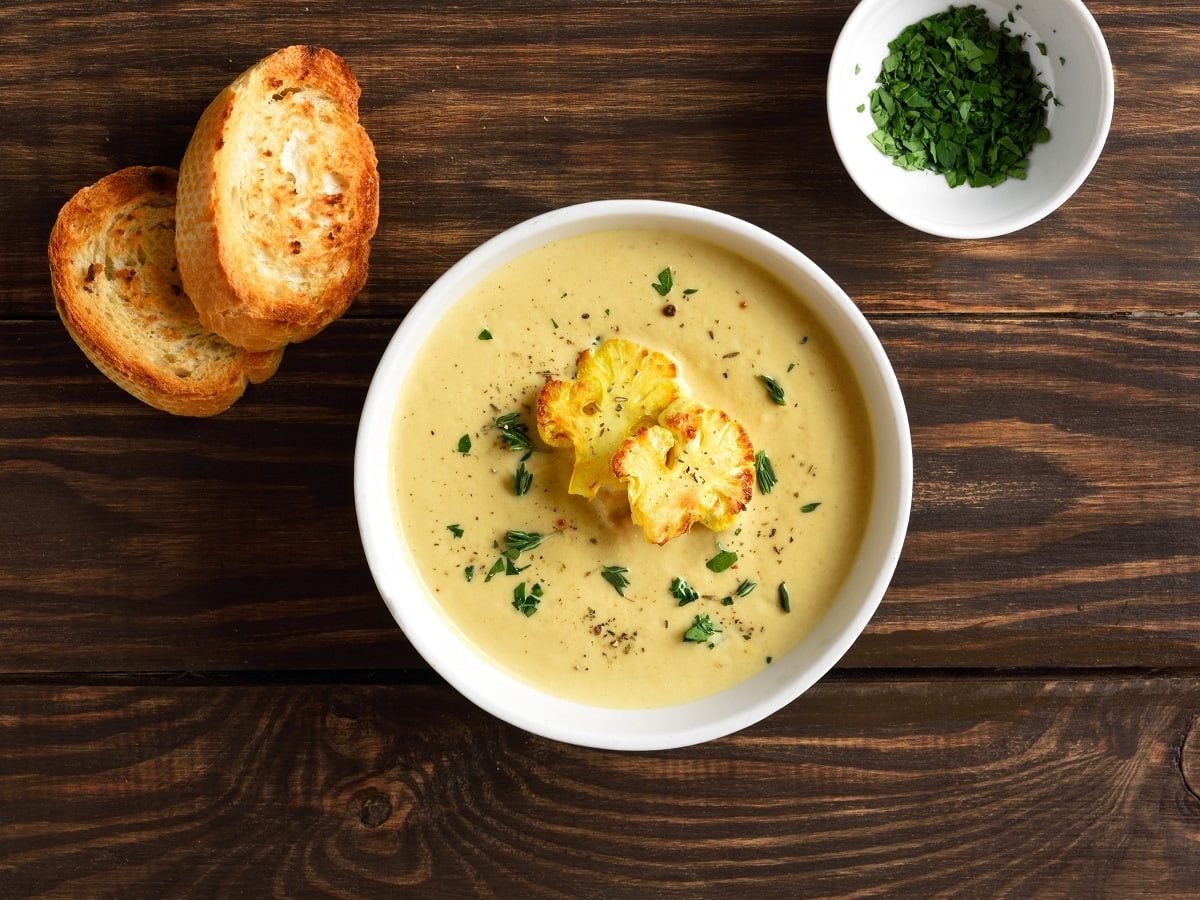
(496, 569)
(1062, 60)
(809, 507)
(722, 561)
(702, 629)
(464, 444)
(683, 592)
(511, 568)
(745, 588)
(804, 340)
(1041, 48)
(768, 660)
(518, 542)
(524, 603)
(764, 472)
(959, 97)
(522, 480)
(860, 107)
(727, 601)
(455, 530)
(513, 431)
(485, 335)
(785, 599)
(774, 391)
(469, 572)
(687, 292)
(665, 282)
(615, 575)
(791, 366)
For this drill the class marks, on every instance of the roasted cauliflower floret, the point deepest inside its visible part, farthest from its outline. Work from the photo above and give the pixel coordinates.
(619, 387)
(696, 465)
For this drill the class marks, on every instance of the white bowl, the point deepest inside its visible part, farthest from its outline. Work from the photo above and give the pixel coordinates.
(521, 704)
(1057, 168)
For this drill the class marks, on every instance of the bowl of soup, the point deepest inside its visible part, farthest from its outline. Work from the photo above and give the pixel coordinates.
(552, 610)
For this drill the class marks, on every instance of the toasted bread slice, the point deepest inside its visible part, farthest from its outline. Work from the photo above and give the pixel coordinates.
(278, 201)
(116, 285)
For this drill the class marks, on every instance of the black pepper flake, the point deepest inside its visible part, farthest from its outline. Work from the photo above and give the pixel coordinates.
(586, 316)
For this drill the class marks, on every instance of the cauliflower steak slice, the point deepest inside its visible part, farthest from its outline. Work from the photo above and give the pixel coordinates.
(618, 388)
(697, 465)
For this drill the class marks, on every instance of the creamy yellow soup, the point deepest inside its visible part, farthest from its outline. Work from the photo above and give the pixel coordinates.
(731, 322)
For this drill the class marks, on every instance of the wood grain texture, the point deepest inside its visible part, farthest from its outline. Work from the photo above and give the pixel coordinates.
(973, 787)
(1056, 519)
(486, 113)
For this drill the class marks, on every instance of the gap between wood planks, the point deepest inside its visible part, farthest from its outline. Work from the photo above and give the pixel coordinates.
(423, 676)
(1015, 316)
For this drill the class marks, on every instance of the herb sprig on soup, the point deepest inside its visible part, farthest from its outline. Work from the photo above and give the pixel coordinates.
(625, 455)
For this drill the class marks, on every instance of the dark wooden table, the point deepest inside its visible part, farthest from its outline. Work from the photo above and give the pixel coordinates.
(202, 693)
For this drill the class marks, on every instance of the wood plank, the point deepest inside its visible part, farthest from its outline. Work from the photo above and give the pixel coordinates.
(488, 113)
(981, 787)
(1056, 518)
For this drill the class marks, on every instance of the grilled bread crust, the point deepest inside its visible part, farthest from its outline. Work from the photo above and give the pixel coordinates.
(278, 201)
(117, 289)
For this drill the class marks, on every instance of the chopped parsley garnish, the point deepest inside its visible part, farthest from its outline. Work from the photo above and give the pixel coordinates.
(615, 575)
(743, 590)
(791, 366)
(722, 561)
(785, 599)
(485, 335)
(857, 68)
(809, 507)
(702, 629)
(774, 391)
(1041, 48)
(455, 530)
(514, 432)
(687, 292)
(518, 542)
(684, 592)
(522, 479)
(496, 569)
(860, 107)
(469, 572)
(527, 603)
(464, 444)
(764, 472)
(511, 568)
(664, 283)
(959, 97)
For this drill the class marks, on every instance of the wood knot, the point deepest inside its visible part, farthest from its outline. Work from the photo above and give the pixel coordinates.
(374, 808)
(346, 704)
(1189, 758)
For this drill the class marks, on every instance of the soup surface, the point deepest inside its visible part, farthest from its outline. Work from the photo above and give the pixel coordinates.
(490, 355)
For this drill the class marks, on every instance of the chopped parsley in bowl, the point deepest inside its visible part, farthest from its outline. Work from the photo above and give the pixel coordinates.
(969, 121)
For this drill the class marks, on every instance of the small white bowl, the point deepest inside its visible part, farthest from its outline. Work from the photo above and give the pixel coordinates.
(522, 704)
(923, 200)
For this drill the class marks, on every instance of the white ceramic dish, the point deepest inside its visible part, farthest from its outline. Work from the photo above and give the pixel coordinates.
(521, 704)
(1057, 168)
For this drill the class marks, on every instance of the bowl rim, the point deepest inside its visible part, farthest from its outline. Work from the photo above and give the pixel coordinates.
(1000, 226)
(500, 693)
